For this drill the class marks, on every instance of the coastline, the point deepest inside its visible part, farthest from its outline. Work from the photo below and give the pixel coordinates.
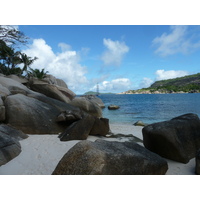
(41, 153)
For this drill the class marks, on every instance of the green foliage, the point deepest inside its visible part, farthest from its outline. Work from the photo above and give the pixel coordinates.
(37, 73)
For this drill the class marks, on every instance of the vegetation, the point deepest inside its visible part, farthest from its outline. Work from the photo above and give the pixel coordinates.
(13, 61)
(186, 84)
(37, 73)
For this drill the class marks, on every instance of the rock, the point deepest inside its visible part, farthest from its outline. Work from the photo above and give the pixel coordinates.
(50, 91)
(18, 79)
(87, 106)
(78, 130)
(61, 83)
(67, 92)
(110, 158)
(197, 159)
(113, 107)
(35, 116)
(4, 92)
(140, 123)
(95, 99)
(177, 139)
(12, 132)
(2, 111)
(69, 116)
(100, 127)
(14, 86)
(9, 148)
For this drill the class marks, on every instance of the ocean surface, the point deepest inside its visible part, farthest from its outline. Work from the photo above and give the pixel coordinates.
(149, 108)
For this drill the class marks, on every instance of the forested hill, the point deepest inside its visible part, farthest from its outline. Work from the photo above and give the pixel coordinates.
(186, 84)
(181, 82)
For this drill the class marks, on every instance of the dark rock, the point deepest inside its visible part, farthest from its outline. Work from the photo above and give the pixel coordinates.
(197, 167)
(177, 139)
(113, 107)
(100, 127)
(9, 148)
(51, 91)
(95, 99)
(140, 123)
(88, 106)
(70, 116)
(110, 158)
(12, 132)
(35, 115)
(78, 130)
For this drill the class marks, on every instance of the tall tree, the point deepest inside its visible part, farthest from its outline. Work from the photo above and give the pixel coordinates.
(11, 36)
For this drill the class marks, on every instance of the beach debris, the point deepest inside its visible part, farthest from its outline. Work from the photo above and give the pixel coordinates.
(177, 139)
(110, 158)
(113, 107)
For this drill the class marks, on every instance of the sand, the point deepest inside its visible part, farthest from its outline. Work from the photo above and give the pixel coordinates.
(41, 154)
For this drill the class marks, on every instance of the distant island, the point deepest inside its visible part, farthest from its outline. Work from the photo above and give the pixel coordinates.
(186, 84)
(95, 93)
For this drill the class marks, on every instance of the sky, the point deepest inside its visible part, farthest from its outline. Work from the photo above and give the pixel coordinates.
(116, 57)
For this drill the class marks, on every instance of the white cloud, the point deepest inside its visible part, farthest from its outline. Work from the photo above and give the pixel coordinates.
(146, 82)
(64, 65)
(179, 40)
(114, 53)
(116, 85)
(163, 75)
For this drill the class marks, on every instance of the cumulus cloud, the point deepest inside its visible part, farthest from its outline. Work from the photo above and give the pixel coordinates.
(116, 85)
(146, 82)
(163, 75)
(179, 40)
(114, 53)
(64, 65)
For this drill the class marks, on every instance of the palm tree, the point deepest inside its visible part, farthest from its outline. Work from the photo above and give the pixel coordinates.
(27, 61)
(37, 73)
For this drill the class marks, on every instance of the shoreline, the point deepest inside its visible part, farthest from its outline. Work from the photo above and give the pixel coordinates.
(41, 153)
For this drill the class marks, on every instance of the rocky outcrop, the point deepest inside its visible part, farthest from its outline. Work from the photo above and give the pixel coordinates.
(95, 99)
(197, 159)
(113, 107)
(51, 91)
(87, 106)
(110, 158)
(2, 111)
(12, 132)
(100, 127)
(78, 130)
(34, 116)
(9, 148)
(177, 139)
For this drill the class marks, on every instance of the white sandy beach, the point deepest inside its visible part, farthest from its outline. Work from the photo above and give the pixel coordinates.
(41, 154)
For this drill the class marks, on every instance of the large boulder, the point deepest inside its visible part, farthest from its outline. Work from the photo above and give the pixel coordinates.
(87, 106)
(95, 99)
(35, 115)
(51, 91)
(12, 132)
(9, 148)
(177, 139)
(14, 86)
(197, 159)
(101, 127)
(2, 110)
(110, 158)
(78, 130)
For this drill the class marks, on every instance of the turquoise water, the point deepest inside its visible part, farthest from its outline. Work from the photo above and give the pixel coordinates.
(149, 108)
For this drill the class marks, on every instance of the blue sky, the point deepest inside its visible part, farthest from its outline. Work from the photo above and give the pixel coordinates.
(118, 57)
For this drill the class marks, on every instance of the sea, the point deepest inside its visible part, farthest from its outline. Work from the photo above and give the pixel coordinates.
(149, 108)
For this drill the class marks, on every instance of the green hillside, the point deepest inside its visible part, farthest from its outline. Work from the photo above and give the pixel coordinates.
(186, 84)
